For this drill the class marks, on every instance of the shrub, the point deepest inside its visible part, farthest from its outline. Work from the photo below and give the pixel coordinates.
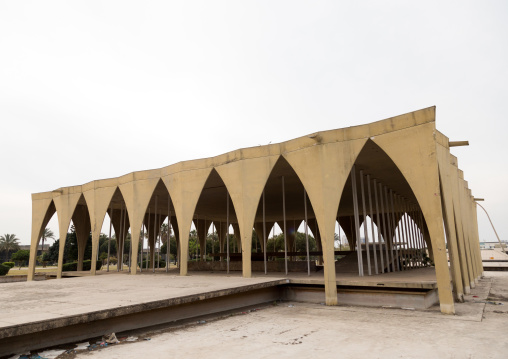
(8, 264)
(4, 269)
(73, 266)
(162, 264)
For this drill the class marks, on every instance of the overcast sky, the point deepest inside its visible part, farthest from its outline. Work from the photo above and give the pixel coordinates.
(98, 89)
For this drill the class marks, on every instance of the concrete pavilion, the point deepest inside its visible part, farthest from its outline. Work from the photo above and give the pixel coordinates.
(398, 174)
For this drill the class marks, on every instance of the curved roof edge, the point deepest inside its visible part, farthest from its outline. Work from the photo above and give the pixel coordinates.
(372, 129)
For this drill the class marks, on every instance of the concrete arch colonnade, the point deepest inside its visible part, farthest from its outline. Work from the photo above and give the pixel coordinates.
(396, 174)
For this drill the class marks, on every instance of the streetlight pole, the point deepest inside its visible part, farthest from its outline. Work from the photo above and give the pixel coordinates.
(484, 210)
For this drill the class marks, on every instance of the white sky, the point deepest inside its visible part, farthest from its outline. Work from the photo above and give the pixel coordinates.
(98, 89)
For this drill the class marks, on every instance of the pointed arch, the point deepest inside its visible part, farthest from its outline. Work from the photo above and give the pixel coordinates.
(42, 211)
(418, 144)
(65, 205)
(82, 225)
(154, 215)
(294, 203)
(323, 170)
(211, 207)
(97, 199)
(245, 180)
(137, 194)
(185, 187)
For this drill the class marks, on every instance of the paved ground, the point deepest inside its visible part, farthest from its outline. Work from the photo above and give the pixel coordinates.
(286, 330)
(493, 254)
(25, 302)
(298, 330)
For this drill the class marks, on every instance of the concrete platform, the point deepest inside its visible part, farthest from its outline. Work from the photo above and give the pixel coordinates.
(43, 313)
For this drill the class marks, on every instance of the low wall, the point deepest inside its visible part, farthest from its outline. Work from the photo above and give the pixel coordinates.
(271, 266)
(20, 278)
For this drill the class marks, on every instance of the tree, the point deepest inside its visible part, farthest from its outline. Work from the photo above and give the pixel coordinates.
(8, 243)
(46, 234)
(22, 256)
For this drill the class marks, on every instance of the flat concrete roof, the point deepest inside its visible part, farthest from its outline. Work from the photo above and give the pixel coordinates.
(30, 302)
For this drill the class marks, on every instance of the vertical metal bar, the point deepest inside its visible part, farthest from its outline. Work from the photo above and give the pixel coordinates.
(413, 233)
(130, 246)
(154, 235)
(273, 237)
(264, 233)
(396, 207)
(109, 238)
(284, 219)
(197, 236)
(365, 231)
(124, 234)
(394, 233)
(385, 234)
(159, 236)
(417, 237)
(389, 239)
(148, 240)
(407, 235)
(371, 224)
(424, 243)
(340, 241)
(389, 229)
(294, 242)
(142, 246)
(221, 248)
(381, 255)
(410, 235)
(357, 223)
(417, 242)
(227, 229)
(206, 235)
(306, 231)
(121, 240)
(401, 233)
(351, 220)
(118, 237)
(168, 247)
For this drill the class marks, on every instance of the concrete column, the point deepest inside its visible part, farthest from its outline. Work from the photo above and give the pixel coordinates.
(42, 211)
(457, 216)
(65, 205)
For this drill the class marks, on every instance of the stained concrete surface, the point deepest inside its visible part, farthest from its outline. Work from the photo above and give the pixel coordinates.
(28, 302)
(298, 330)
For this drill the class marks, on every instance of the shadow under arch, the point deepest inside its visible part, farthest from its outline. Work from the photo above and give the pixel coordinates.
(292, 209)
(211, 211)
(119, 216)
(158, 209)
(383, 195)
(82, 227)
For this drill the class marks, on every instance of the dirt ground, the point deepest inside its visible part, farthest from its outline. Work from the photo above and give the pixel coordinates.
(296, 330)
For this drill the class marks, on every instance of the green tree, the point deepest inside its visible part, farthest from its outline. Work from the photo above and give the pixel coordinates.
(46, 234)
(8, 243)
(22, 256)
(164, 248)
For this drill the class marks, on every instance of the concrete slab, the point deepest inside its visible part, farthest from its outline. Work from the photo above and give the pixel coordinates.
(72, 296)
(295, 330)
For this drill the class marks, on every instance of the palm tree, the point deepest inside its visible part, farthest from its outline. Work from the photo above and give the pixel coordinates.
(8, 242)
(46, 234)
